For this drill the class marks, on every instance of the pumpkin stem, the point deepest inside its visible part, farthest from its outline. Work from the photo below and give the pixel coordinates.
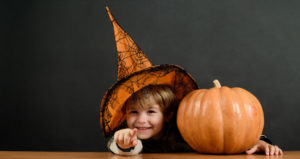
(217, 83)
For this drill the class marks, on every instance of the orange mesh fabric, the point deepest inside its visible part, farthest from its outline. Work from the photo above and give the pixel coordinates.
(130, 57)
(135, 72)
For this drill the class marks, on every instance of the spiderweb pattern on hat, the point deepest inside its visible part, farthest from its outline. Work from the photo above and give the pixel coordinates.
(135, 71)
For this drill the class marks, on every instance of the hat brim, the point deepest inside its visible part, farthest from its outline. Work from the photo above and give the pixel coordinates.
(111, 114)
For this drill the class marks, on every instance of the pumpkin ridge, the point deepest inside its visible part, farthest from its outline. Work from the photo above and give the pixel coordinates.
(259, 130)
(191, 136)
(229, 100)
(181, 123)
(204, 138)
(253, 104)
(213, 105)
(198, 127)
(218, 103)
(241, 103)
(182, 115)
(222, 111)
(256, 103)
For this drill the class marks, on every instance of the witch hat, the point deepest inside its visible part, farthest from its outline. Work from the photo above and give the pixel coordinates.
(135, 71)
(130, 57)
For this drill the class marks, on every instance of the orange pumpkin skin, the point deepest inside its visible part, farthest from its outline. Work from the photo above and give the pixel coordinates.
(220, 120)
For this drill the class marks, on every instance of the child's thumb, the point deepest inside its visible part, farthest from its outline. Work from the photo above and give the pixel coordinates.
(252, 150)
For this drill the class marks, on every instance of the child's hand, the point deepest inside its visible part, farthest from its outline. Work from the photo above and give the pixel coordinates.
(262, 146)
(126, 138)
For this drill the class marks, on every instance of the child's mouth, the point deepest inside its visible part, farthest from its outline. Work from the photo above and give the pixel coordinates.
(143, 129)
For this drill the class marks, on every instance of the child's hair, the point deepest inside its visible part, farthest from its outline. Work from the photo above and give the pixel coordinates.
(162, 95)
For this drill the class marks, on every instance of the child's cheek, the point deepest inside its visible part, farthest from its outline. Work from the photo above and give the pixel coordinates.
(157, 121)
(130, 122)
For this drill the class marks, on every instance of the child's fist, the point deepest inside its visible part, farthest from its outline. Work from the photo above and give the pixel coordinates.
(126, 138)
(262, 146)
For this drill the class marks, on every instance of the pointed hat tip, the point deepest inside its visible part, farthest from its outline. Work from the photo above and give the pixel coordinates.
(109, 14)
(107, 9)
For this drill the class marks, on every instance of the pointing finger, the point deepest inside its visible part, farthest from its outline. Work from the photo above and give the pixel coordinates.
(133, 132)
(127, 139)
(134, 142)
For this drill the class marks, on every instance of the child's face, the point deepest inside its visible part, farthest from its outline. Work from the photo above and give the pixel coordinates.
(148, 119)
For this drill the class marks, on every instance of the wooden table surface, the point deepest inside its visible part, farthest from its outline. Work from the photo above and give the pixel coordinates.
(108, 155)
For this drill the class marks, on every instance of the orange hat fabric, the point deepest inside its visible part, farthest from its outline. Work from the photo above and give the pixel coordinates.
(135, 71)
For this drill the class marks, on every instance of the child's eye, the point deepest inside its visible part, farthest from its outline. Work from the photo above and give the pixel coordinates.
(133, 112)
(151, 111)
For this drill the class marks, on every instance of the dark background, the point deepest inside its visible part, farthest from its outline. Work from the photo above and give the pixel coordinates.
(58, 57)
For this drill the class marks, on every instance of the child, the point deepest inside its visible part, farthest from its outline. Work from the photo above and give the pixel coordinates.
(151, 118)
(152, 125)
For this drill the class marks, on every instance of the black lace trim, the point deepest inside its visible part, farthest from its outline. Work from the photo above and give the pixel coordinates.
(179, 84)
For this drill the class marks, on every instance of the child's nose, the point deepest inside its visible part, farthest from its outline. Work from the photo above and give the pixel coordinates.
(142, 118)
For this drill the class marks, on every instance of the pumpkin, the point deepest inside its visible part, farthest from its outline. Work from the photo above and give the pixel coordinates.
(220, 120)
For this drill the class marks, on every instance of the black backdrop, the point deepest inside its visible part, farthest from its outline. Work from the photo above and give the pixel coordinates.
(58, 57)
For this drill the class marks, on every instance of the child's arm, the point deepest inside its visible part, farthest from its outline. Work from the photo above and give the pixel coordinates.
(125, 142)
(263, 146)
